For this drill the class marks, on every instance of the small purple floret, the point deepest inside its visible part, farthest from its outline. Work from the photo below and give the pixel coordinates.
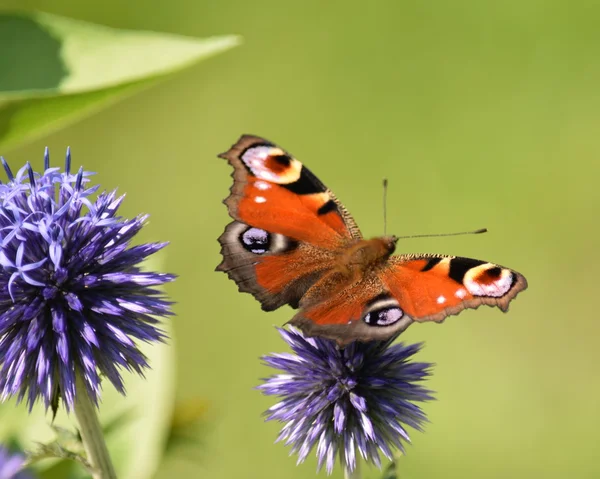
(11, 465)
(341, 401)
(72, 294)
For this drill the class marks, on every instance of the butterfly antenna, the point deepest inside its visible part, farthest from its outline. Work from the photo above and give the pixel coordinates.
(385, 184)
(475, 232)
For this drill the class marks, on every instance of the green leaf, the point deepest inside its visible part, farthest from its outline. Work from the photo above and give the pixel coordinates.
(55, 70)
(187, 434)
(390, 471)
(57, 449)
(26, 120)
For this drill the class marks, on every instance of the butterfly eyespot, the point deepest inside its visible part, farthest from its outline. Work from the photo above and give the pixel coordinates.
(259, 241)
(383, 316)
(255, 240)
(489, 280)
(494, 272)
(283, 160)
(269, 163)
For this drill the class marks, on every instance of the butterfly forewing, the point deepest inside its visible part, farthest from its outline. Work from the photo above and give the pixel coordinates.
(432, 287)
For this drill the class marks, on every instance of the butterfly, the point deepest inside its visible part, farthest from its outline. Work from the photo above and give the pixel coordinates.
(292, 242)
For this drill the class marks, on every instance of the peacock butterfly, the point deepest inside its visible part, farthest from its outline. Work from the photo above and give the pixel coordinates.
(293, 242)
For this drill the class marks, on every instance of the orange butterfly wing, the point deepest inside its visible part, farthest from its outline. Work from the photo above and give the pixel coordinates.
(336, 309)
(273, 191)
(287, 226)
(432, 287)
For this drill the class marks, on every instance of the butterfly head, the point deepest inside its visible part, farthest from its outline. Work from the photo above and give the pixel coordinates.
(390, 243)
(380, 249)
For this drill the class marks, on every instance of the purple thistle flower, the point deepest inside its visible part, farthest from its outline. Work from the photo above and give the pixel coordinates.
(11, 465)
(72, 295)
(344, 400)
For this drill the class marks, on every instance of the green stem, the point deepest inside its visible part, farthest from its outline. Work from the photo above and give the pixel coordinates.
(91, 433)
(353, 474)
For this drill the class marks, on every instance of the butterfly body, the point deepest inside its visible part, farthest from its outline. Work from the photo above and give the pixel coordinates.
(365, 255)
(292, 242)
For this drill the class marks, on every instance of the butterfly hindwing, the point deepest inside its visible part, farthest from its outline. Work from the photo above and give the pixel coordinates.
(258, 262)
(347, 312)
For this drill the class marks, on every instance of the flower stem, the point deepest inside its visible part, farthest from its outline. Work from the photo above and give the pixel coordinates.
(355, 474)
(91, 433)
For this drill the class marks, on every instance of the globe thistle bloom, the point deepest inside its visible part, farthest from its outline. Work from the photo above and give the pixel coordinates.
(343, 400)
(11, 465)
(73, 299)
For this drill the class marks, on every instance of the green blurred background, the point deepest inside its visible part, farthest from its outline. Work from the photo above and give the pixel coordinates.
(481, 114)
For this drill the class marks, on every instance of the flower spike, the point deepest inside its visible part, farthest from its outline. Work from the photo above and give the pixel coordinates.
(343, 400)
(72, 294)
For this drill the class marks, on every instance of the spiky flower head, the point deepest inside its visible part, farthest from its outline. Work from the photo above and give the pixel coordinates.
(72, 296)
(345, 400)
(11, 465)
